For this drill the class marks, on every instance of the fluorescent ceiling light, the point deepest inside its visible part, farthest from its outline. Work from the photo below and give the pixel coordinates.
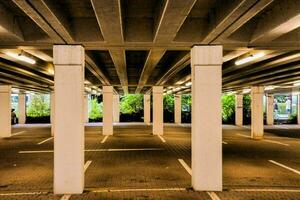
(21, 57)
(269, 88)
(188, 84)
(87, 82)
(249, 59)
(245, 91)
(297, 83)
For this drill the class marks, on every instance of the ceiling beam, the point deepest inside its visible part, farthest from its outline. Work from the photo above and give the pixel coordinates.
(152, 60)
(281, 19)
(95, 70)
(173, 14)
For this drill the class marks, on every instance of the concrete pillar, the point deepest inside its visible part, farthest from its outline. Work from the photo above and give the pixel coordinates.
(158, 122)
(147, 101)
(52, 112)
(107, 110)
(68, 119)
(239, 110)
(22, 108)
(116, 108)
(5, 111)
(86, 108)
(257, 113)
(206, 63)
(177, 108)
(270, 109)
(298, 109)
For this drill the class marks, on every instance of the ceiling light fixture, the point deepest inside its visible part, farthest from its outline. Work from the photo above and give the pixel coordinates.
(245, 91)
(297, 83)
(250, 58)
(21, 57)
(188, 84)
(269, 88)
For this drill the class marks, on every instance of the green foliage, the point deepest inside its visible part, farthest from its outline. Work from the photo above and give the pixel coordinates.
(96, 109)
(131, 103)
(186, 102)
(247, 109)
(228, 108)
(38, 106)
(169, 102)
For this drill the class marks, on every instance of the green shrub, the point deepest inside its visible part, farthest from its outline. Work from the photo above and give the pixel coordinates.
(186, 102)
(38, 106)
(169, 102)
(131, 103)
(228, 108)
(96, 109)
(247, 109)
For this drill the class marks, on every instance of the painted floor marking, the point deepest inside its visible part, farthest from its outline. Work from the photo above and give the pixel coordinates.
(22, 193)
(13, 134)
(264, 190)
(284, 166)
(104, 139)
(223, 142)
(68, 196)
(45, 140)
(212, 195)
(275, 142)
(242, 135)
(104, 190)
(98, 150)
(161, 138)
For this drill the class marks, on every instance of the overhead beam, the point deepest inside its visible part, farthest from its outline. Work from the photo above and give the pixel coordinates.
(119, 60)
(95, 70)
(173, 14)
(281, 19)
(38, 19)
(223, 16)
(234, 54)
(9, 24)
(152, 60)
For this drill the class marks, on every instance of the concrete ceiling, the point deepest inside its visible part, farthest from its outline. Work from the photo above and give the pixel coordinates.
(135, 44)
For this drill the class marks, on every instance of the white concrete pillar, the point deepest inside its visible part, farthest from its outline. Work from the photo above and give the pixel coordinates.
(239, 110)
(257, 113)
(107, 110)
(158, 118)
(86, 108)
(116, 108)
(22, 108)
(270, 109)
(206, 63)
(298, 109)
(177, 108)
(52, 109)
(147, 111)
(5, 111)
(68, 119)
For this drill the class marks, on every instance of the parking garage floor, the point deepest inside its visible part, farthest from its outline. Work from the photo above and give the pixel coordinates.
(133, 164)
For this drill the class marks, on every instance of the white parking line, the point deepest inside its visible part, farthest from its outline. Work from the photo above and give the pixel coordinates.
(22, 193)
(212, 195)
(161, 138)
(242, 135)
(104, 139)
(18, 133)
(263, 190)
(275, 142)
(45, 140)
(104, 190)
(86, 165)
(284, 166)
(97, 150)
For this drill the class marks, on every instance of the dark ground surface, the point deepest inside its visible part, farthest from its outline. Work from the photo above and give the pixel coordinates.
(145, 173)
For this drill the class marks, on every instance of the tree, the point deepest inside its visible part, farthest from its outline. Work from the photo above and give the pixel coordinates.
(96, 109)
(169, 102)
(131, 103)
(228, 108)
(186, 102)
(38, 106)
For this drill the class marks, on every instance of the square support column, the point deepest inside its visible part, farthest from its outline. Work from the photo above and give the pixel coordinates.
(22, 108)
(158, 112)
(86, 108)
(177, 108)
(68, 119)
(5, 111)
(270, 109)
(257, 113)
(239, 110)
(147, 101)
(206, 63)
(52, 108)
(117, 108)
(107, 110)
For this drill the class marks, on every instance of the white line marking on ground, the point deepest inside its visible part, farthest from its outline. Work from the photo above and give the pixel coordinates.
(45, 140)
(161, 138)
(284, 166)
(98, 150)
(18, 133)
(275, 142)
(264, 190)
(242, 135)
(138, 190)
(212, 195)
(223, 142)
(86, 165)
(22, 193)
(104, 139)
(185, 166)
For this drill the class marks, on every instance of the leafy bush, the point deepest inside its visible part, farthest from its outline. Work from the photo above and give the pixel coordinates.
(131, 103)
(247, 109)
(38, 106)
(169, 103)
(228, 109)
(96, 109)
(186, 102)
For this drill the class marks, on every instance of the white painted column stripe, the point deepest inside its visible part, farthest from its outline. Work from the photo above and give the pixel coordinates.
(284, 166)
(45, 140)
